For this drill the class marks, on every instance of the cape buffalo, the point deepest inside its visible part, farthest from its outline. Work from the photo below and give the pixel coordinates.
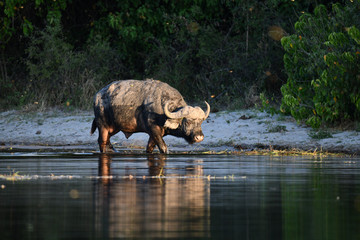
(149, 106)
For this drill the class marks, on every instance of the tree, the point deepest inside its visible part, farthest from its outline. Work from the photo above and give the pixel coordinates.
(322, 63)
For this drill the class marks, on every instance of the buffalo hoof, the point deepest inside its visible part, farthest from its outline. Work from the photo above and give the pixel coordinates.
(108, 148)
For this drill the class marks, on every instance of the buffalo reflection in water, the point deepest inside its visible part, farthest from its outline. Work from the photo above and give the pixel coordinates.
(151, 207)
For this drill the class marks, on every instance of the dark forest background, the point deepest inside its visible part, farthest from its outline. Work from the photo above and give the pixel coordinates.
(231, 53)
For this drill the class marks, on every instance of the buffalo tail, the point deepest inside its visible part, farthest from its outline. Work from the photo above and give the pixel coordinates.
(93, 127)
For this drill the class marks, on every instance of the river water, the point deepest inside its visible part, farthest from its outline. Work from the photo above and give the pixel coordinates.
(94, 196)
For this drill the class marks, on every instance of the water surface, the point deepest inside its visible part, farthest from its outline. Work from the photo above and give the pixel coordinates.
(93, 196)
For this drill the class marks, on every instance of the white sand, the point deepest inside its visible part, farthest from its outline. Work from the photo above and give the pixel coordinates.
(222, 130)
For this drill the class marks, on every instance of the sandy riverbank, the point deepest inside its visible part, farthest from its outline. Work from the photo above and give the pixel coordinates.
(245, 129)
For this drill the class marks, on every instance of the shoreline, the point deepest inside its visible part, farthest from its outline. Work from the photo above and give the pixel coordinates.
(244, 130)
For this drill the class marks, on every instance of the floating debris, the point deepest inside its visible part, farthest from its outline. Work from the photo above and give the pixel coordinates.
(74, 194)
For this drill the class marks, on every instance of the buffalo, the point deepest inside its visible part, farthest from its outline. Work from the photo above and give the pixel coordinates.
(149, 106)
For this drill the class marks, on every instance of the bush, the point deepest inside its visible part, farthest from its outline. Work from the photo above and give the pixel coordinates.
(222, 59)
(58, 75)
(322, 61)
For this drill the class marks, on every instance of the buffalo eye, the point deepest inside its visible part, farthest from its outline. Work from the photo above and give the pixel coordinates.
(186, 122)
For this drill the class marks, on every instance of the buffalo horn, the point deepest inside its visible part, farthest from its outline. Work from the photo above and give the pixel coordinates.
(207, 110)
(184, 112)
(178, 114)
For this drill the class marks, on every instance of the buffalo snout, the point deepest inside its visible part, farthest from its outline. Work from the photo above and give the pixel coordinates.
(199, 138)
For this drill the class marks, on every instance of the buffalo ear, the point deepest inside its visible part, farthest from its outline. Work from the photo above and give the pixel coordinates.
(172, 123)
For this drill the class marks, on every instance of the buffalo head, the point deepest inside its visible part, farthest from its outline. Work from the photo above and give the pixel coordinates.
(186, 122)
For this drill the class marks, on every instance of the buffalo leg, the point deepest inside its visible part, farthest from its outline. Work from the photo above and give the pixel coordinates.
(150, 146)
(156, 137)
(161, 144)
(104, 141)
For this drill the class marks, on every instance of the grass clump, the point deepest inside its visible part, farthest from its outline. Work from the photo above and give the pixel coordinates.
(320, 134)
(277, 128)
(13, 176)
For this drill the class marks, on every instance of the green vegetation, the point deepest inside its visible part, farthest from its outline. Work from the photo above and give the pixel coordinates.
(59, 53)
(322, 62)
(59, 75)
